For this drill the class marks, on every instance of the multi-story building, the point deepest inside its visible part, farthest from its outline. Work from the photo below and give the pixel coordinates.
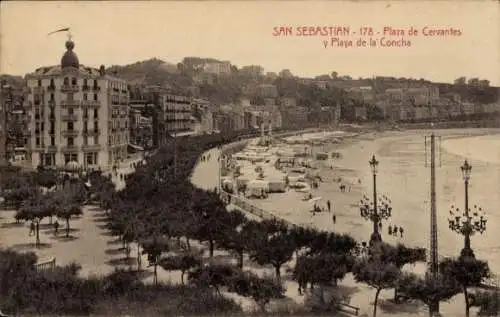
(78, 114)
(267, 91)
(177, 113)
(217, 68)
(287, 102)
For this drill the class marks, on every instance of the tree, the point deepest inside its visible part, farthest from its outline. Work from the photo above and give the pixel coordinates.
(183, 262)
(402, 255)
(67, 207)
(34, 209)
(212, 217)
(376, 272)
(272, 247)
(460, 81)
(154, 247)
(428, 290)
(467, 272)
(213, 275)
(322, 269)
(237, 238)
(261, 290)
(335, 75)
(487, 301)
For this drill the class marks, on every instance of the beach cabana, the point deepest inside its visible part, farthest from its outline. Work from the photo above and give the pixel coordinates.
(277, 185)
(257, 188)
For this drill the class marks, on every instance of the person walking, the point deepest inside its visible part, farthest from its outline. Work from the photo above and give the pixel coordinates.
(334, 218)
(395, 231)
(32, 229)
(329, 206)
(56, 227)
(401, 231)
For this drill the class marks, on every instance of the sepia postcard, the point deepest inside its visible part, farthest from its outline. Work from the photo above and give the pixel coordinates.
(250, 158)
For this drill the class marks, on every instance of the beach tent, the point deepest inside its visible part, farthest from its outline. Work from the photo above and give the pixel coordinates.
(257, 188)
(277, 185)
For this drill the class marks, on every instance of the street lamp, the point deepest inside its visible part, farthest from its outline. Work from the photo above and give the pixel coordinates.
(378, 209)
(463, 222)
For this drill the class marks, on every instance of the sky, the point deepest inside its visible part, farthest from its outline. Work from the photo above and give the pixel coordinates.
(118, 33)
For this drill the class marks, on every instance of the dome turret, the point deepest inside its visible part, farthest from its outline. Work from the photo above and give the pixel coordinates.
(69, 58)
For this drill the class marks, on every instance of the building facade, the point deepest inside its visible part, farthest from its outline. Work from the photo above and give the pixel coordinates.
(177, 113)
(77, 114)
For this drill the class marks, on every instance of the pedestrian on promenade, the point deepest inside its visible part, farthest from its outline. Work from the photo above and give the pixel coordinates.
(401, 231)
(56, 227)
(389, 230)
(380, 225)
(32, 229)
(395, 231)
(334, 218)
(329, 206)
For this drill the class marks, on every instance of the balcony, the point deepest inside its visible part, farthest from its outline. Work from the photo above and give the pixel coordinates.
(96, 88)
(70, 103)
(93, 147)
(37, 89)
(69, 148)
(91, 132)
(85, 88)
(51, 103)
(52, 117)
(68, 88)
(51, 88)
(70, 133)
(91, 103)
(69, 117)
(52, 149)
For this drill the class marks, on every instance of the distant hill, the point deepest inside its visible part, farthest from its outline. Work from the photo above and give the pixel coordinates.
(153, 72)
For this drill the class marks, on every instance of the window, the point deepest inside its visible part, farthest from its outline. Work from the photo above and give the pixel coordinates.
(96, 125)
(85, 140)
(52, 141)
(52, 82)
(37, 141)
(66, 81)
(85, 82)
(95, 97)
(73, 81)
(67, 158)
(85, 97)
(70, 126)
(89, 158)
(42, 126)
(70, 111)
(96, 139)
(39, 83)
(96, 114)
(71, 141)
(52, 97)
(85, 126)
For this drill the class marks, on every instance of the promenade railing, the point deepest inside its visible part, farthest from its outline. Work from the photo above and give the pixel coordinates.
(46, 264)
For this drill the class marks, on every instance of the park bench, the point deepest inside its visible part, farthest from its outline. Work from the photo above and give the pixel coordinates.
(348, 309)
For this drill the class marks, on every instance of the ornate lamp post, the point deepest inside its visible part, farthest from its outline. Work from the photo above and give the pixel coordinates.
(463, 222)
(378, 209)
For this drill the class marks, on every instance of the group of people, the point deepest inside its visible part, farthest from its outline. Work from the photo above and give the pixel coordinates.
(32, 230)
(205, 158)
(394, 230)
